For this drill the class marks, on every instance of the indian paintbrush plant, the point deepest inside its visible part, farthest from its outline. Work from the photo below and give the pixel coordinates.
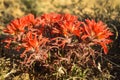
(58, 40)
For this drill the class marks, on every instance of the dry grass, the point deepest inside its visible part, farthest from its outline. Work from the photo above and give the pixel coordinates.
(108, 12)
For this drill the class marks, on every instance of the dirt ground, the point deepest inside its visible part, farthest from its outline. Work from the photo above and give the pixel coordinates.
(105, 10)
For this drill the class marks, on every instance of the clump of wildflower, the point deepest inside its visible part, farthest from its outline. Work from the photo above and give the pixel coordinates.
(64, 32)
(97, 32)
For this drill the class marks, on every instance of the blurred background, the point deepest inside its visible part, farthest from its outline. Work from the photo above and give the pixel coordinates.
(10, 9)
(107, 11)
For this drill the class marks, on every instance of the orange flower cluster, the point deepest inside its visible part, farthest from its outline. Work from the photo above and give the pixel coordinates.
(38, 35)
(18, 25)
(98, 33)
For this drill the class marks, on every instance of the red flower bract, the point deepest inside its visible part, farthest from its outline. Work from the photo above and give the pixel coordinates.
(70, 25)
(51, 17)
(97, 32)
(38, 36)
(31, 40)
(19, 24)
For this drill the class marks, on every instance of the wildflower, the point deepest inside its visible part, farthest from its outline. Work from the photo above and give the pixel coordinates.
(98, 33)
(51, 18)
(30, 43)
(31, 40)
(18, 25)
(70, 25)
